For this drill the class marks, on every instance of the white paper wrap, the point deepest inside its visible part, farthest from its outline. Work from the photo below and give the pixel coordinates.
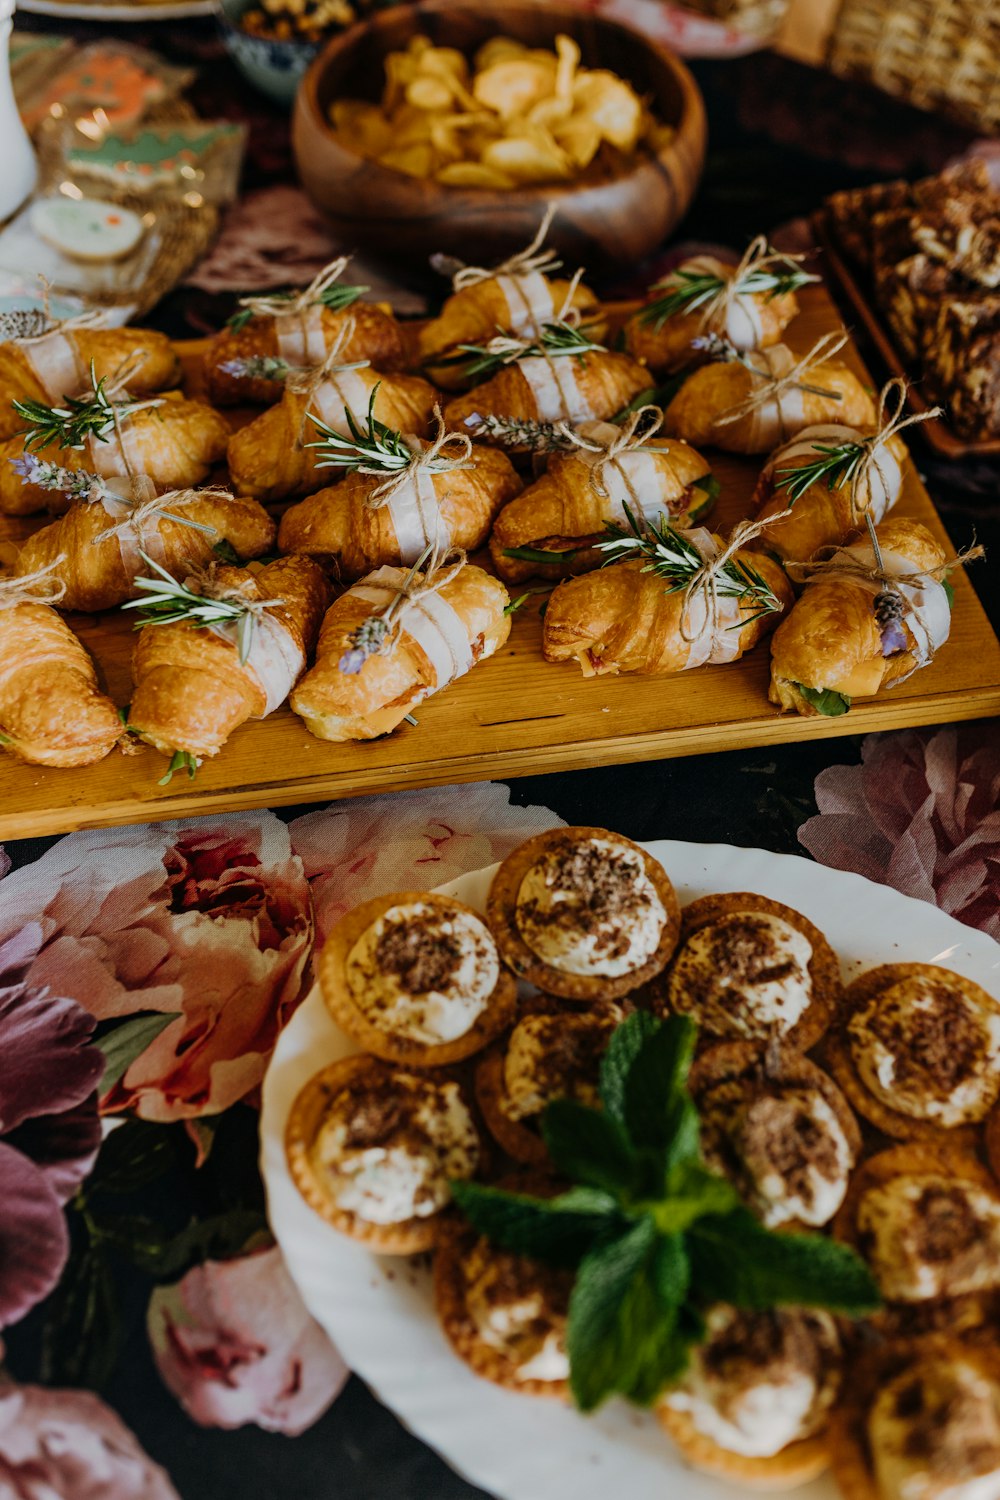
(416, 516)
(301, 337)
(713, 642)
(555, 388)
(117, 454)
(430, 621)
(529, 302)
(56, 363)
(634, 478)
(742, 325)
(274, 658)
(774, 421)
(342, 391)
(927, 612)
(119, 501)
(877, 492)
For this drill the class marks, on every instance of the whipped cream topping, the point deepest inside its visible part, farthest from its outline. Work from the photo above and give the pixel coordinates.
(784, 1148)
(554, 1057)
(388, 1152)
(934, 1434)
(588, 907)
(931, 1236)
(928, 1049)
(745, 975)
(761, 1380)
(423, 972)
(519, 1309)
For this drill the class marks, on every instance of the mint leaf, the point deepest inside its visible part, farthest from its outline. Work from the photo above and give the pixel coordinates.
(735, 1259)
(537, 1227)
(588, 1146)
(692, 1193)
(825, 700)
(949, 593)
(128, 1041)
(642, 1079)
(671, 1269)
(586, 1200)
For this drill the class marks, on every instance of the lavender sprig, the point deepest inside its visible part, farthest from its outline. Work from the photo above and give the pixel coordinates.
(78, 484)
(522, 432)
(256, 367)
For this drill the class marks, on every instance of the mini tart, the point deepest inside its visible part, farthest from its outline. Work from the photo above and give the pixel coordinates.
(623, 887)
(823, 968)
(796, 1463)
(314, 1107)
(578, 1038)
(948, 1232)
(734, 1078)
(885, 1368)
(465, 1259)
(413, 946)
(944, 1048)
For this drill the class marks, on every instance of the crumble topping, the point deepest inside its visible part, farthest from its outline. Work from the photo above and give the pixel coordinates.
(934, 1434)
(929, 1236)
(588, 907)
(519, 1307)
(745, 975)
(424, 972)
(555, 1057)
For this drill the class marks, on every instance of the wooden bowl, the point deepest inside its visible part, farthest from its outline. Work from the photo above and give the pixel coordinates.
(403, 220)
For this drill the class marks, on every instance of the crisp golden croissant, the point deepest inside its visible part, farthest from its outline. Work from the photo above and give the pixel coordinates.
(566, 509)
(57, 364)
(271, 457)
(624, 619)
(302, 339)
(823, 516)
(565, 388)
(848, 636)
(455, 508)
(752, 320)
(441, 636)
(52, 712)
(175, 444)
(99, 575)
(712, 394)
(191, 689)
(519, 304)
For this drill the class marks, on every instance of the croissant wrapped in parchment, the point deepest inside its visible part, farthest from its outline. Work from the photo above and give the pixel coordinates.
(95, 547)
(175, 442)
(370, 519)
(753, 403)
(56, 361)
(245, 362)
(271, 458)
(566, 510)
(632, 618)
(750, 305)
(852, 631)
(357, 691)
(52, 711)
(198, 677)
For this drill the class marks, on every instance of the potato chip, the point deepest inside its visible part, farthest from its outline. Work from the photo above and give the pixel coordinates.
(417, 160)
(428, 93)
(613, 107)
(472, 174)
(528, 158)
(568, 54)
(511, 88)
(580, 139)
(497, 49)
(549, 112)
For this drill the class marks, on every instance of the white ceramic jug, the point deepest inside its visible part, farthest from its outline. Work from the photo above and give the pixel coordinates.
(18, 168)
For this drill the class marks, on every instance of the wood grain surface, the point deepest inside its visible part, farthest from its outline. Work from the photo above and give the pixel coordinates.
(514, 715)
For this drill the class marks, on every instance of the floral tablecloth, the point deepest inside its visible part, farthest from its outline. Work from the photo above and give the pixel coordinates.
(154, 1343)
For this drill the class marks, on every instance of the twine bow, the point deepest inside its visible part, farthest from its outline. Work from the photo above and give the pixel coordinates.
(705, 580)
(429, 459)
(142, 504)
(40, 587)
(843, 562)
(378, 632)
(773, 387)
(757, 257)
(285, 306)
(206, 582)
(532, 258)
(886, 427)
(629, 439)
(307, 382)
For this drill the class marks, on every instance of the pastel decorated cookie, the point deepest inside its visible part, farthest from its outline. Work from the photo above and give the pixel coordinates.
(87, 228)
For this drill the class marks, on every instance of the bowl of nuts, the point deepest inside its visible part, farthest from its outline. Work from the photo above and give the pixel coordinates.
(273, 42)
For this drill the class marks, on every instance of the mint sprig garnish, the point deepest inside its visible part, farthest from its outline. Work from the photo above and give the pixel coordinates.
(655, 1237)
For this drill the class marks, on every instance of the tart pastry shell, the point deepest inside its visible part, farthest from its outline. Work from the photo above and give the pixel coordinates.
(794, 1465)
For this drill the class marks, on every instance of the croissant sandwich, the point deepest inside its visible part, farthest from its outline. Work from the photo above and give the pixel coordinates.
(96, 548)
(862, 624)
(53, 360)
(699, 603)
(394, 639)
(52, 711)
(274, 457)
(172, 440)
(405, 496)
(753, 402)
(245, 363)
(750, 305)
(564, 513)
(223, 646)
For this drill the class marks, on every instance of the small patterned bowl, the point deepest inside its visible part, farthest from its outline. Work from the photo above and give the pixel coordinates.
(276, 68)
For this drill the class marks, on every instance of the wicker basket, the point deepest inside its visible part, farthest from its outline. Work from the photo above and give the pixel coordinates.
(938, 54)
(757, 18)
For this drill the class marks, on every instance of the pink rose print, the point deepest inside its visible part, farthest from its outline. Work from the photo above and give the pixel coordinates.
(234, 1343)
(5, 862)
(367, 846)
(70, 1445)
(211, 923)
(921, 813)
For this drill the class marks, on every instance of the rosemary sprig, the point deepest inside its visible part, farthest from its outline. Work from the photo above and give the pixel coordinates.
(837, 463)
(181, 760)
(672, 556)
(82, 417)
(170, 601)
(522, 432)
(686, 291)
(256, 367)
(374, 448)
(335, 297)
(555, 339)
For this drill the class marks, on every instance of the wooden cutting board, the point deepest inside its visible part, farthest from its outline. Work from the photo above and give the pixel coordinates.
(514, 715)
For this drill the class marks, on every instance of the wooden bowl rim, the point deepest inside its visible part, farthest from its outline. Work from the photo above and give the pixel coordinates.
(690, 128)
